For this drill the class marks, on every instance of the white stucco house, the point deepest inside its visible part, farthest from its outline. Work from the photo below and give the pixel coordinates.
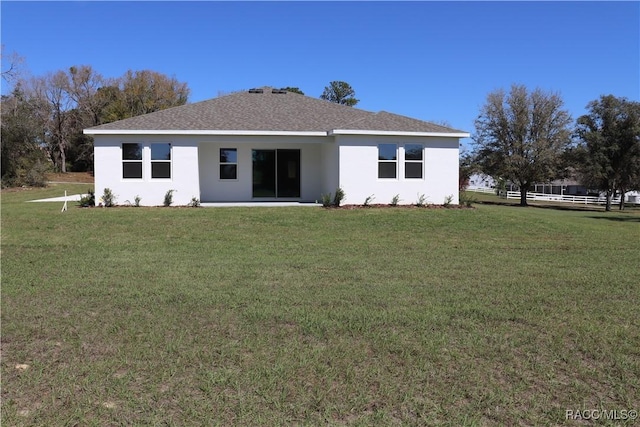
(271, 145)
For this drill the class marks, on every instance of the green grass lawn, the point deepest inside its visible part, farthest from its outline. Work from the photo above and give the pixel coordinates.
(498, 315)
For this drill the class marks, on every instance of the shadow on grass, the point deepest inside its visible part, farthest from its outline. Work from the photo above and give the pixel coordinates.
(580, 208)
(618, 218)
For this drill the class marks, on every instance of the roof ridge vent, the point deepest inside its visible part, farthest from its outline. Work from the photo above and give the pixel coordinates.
(254, 90)
(282, 91)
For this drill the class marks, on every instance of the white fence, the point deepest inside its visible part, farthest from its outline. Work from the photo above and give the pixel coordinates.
(482, 190)
(585, 200)
(564, 198)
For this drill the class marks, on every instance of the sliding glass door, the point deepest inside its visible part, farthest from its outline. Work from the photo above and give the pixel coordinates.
(276, 173)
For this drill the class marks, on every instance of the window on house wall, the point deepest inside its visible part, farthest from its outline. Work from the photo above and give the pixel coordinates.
(387, 160)
(228, 163)
(131, 160)
(413, 160)
(161, 160)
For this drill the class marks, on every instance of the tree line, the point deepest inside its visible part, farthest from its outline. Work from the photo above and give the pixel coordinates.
(43, 117)
(527, 137)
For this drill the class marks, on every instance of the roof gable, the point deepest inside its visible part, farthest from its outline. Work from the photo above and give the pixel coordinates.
(265, 111)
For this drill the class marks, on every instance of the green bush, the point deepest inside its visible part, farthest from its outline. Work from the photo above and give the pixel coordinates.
(368, 200)
(339, 197)
(88, 200)
(467, 199)
(36, 175)
(395, 200)
(194, 203)
(448, 200)
(108, 198)
(168, 198)
(326, 200)
(422, 200)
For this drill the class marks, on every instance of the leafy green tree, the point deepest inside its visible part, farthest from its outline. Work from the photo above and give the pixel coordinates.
(340, 93)
(293, 89)
(23, 160)
(520, 137)
(608, 154)
(467, 167)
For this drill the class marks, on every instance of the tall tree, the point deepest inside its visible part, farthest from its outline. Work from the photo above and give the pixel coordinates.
(340, 93)
(520, 136)
(148, 91)
(54, 114)
(82, 85)
(11, 66)
(608, 154)
(467, 167)
(23, 160)
(50, 112)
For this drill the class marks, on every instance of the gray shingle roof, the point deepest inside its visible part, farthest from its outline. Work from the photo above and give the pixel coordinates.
(271, 112)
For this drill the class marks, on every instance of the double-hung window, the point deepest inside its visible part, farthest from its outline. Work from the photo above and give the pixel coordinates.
(161, 160)
(131, 160)
(387, 160)
(228, 163)
(413, 155)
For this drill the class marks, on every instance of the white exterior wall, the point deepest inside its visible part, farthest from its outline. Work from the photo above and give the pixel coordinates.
(330, 165)
(195, 168)
(348, 161)
(213, 189)
(358, 156)
(108, 170)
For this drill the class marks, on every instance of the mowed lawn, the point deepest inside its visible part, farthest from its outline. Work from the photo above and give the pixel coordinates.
(497, 315)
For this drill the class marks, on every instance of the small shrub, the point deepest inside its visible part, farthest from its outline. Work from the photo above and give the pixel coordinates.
(88, 200)
(448, 200)
(395, 200)
(326, 200)
(36, 175)
(194, 203)
(339, 197)
(136, 201)
(467, 199)
(168, 198)
(108, 198)
(368, 200)
(422, 200)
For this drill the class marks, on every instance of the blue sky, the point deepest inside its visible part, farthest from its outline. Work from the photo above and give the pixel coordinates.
(428, 60)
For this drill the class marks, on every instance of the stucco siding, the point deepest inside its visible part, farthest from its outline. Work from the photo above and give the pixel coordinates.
(214, 189)
(347, 161)
(358, 171)
(330, 167)
(108, 171)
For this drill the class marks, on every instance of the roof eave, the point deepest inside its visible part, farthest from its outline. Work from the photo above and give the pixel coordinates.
(202, 132)
(398, 133)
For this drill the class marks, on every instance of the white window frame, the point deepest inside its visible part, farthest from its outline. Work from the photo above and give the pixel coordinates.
(169, 161)
(395, 162)
(221, 163)
(421, 161)
(130, 161)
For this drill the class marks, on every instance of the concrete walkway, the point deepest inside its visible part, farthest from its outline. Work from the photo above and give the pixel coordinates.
(255, 204)
(76, 198)
(71, 198)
